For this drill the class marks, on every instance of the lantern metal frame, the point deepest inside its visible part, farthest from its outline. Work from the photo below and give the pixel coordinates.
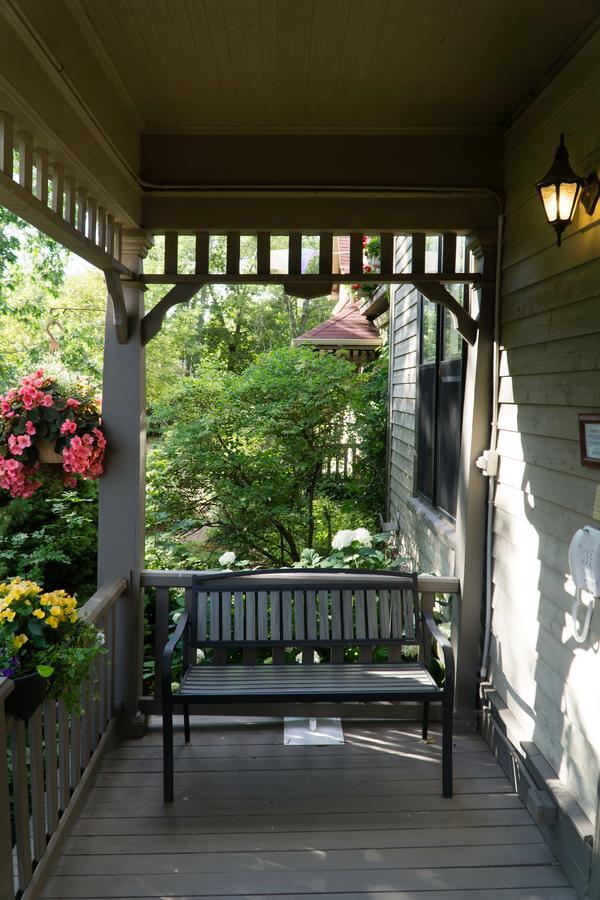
(559, 173)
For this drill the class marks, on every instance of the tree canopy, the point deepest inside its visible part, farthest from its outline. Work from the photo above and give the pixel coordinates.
(246, 453)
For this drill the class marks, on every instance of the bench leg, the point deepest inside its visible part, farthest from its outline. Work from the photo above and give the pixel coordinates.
(447, 745)
(425, 720)
(186, 723)
(168, 787)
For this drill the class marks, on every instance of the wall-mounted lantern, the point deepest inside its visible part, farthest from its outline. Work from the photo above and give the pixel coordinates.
(560, 190)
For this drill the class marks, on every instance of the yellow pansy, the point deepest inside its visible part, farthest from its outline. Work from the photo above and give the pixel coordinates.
(19, 640)
(38, 613)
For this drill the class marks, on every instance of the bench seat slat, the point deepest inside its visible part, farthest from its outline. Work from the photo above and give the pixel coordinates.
(306, 681)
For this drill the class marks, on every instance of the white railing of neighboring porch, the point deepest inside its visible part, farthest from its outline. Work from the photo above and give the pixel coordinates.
(50, 761)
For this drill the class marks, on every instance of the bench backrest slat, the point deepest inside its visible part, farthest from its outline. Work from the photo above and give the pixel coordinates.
(248, 612)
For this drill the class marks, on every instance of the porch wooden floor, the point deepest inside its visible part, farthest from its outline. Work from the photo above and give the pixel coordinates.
(255, 819)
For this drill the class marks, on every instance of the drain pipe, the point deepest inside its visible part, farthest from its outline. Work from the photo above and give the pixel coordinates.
(491, 460)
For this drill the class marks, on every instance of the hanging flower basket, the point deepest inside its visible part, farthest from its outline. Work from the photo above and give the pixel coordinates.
(47, 648)
(46, 423)
(27, 694)
(47, 454)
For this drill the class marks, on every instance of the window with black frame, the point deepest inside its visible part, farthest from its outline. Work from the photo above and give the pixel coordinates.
(440, 394)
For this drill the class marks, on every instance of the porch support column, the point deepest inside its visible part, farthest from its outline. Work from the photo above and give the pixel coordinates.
(472, 488)
(122, 487)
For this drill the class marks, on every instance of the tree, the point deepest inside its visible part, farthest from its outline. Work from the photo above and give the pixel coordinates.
(229, 325)
(247, 454)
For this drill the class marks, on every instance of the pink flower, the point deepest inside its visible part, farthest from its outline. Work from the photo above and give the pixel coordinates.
(29, 427)
(48, 400)
(84, 455)
(68, 427)
(16, 444)
(17, 479)
(72, 403)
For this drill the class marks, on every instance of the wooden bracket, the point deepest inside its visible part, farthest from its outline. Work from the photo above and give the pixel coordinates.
(437, 293)
(115, 292)
(152, 321)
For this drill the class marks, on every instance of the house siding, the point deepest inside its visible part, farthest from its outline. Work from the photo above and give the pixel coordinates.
(549, 372)
(427, 538)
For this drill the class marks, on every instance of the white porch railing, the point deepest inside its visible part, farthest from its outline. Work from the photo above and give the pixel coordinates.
(49, 760)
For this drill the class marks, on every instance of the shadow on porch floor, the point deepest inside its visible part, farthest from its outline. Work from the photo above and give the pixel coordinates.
(255, 819)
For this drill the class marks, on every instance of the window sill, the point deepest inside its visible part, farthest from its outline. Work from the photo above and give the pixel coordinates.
(438, 524)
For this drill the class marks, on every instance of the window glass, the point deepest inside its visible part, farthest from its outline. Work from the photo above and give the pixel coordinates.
(452, 341)
(428, 331)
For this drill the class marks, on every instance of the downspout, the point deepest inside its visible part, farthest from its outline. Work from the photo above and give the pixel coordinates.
(487, 627)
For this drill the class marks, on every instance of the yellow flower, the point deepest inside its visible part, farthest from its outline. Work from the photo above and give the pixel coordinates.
(38, 613)
(7, 614)
(52, 621)
(19, 640)
(56, 610)
(44, 601)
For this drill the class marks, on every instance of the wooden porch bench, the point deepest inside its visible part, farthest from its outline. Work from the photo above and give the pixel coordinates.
(237, 617)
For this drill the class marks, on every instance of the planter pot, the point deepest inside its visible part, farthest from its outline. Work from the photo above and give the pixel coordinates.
(28, 693)
(46, 452)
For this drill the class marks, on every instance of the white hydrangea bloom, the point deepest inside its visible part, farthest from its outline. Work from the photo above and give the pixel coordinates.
(346, 537)
(363, 536)
(342, 539)
(227, 559)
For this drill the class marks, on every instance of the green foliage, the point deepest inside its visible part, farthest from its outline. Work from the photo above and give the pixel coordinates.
(359, 550)
(52, 540)
(371, 414)
(72, 661)
(246, 455)
(228, 326)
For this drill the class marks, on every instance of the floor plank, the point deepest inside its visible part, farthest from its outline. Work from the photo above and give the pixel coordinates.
(254, 819)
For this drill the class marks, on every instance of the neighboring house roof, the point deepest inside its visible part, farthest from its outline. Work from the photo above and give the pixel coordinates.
(346, 328)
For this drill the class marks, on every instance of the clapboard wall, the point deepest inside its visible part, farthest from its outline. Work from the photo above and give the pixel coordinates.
(427, 538)
(550, 371)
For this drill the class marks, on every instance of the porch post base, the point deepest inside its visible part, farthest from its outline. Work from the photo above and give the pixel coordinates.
(132, 727)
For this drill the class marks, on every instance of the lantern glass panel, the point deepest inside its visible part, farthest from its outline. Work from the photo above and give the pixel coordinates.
(568, 194)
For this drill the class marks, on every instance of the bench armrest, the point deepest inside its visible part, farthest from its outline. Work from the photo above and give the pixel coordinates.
(167, 655)
(446, 646)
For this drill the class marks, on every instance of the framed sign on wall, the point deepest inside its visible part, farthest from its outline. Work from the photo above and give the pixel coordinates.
(589, 439)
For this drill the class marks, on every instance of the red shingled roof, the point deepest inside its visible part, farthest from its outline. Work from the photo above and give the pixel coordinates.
(346, 328)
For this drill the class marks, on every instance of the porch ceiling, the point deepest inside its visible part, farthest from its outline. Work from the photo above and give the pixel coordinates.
(309, 64)
(279, 114)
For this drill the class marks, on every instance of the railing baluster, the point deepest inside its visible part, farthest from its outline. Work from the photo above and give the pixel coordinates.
(36, 762)
(41, 174)
(6, 853)
(63, 756)
(21, 804)
(7, 143)
(75, 754)
(162, 635)
(58, 189)
(50, 737)
(25, 144)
